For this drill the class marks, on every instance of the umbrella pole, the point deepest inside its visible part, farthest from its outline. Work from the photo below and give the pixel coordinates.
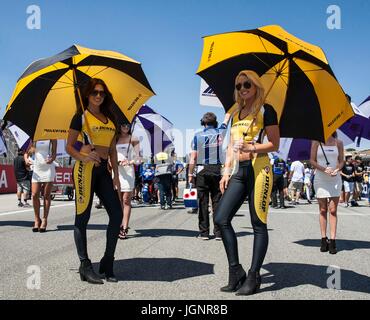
(278, 74)
(82, 106)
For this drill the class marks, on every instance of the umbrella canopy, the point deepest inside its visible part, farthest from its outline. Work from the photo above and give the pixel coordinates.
(365, 107)
(297, 78)
(22, 139)
(357, 126)
(293, 149)
(153, 131)
(48, 93)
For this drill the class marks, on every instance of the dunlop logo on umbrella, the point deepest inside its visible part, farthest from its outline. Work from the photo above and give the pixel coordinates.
(335, 119)
(134, 102)
(55, 130)
(295, 42)
(210, 51)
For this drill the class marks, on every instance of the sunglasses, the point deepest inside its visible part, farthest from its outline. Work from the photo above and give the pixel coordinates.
(98, 92)
(246, 85)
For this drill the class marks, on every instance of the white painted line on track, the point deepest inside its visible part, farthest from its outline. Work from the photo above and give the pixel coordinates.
(340, 213)
(31, 209)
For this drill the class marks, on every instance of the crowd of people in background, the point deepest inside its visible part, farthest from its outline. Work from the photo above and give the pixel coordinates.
(294, 182)
(147, 182)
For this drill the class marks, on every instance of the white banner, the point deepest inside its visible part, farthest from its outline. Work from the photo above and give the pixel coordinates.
(365, 107)
(19, 135)
(284, 148)
(61, 149)
(207, 96)
(2, 144)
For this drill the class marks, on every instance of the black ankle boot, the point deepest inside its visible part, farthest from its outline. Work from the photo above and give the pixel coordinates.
(106, 268)
(250, 285)
(236, 278)
(324, 244)
(88, 274)
(332, 247)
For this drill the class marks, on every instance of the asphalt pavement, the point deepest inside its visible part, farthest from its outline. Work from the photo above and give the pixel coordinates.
(163, 258)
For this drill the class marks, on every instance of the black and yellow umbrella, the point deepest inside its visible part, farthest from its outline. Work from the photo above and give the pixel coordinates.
(297, 78)
(47, 94)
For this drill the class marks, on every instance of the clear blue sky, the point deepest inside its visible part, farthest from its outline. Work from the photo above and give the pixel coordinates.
(166, 36)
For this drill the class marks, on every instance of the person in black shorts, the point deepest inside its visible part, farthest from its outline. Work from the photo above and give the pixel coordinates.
(22, 178)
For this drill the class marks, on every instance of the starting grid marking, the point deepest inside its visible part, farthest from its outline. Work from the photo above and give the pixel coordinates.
(31, 209)
(341, 213)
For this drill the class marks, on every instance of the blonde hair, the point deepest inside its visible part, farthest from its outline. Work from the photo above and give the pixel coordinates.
(260, 91)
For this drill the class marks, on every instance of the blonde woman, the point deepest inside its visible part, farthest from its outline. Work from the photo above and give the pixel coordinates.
(248, 173)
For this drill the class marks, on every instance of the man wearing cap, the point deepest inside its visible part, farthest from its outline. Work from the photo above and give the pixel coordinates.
(358, 179)
(279, 168)
(163, 171)
(348, 178)
(207, 154)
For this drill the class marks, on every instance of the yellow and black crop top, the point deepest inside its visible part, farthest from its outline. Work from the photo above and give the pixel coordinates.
(102, 133)
(251, 128)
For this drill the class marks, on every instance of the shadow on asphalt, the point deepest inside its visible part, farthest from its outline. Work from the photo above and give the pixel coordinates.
(27, 224)
(159, 269)
(342, 245)
(285, 207)
(288, 275)
(153, 233)
(89, 227)
(252, 228)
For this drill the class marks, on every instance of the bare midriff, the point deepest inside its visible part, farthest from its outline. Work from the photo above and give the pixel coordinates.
(103, 152)
(244, 156)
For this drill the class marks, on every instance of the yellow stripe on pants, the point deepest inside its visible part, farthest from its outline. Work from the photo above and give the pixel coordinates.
(82, 176)
(263, 181)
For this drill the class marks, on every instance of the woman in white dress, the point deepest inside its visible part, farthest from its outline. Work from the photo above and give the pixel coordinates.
(328, 159)
(307, 181)
(43, 174)
(128, 151)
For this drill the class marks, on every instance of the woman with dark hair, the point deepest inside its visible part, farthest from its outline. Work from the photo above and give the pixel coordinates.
(328, 160)
(95, 126)
(128, 152)
(248, 172)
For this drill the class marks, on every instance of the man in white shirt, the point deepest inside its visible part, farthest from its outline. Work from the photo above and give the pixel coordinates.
(297, 179)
